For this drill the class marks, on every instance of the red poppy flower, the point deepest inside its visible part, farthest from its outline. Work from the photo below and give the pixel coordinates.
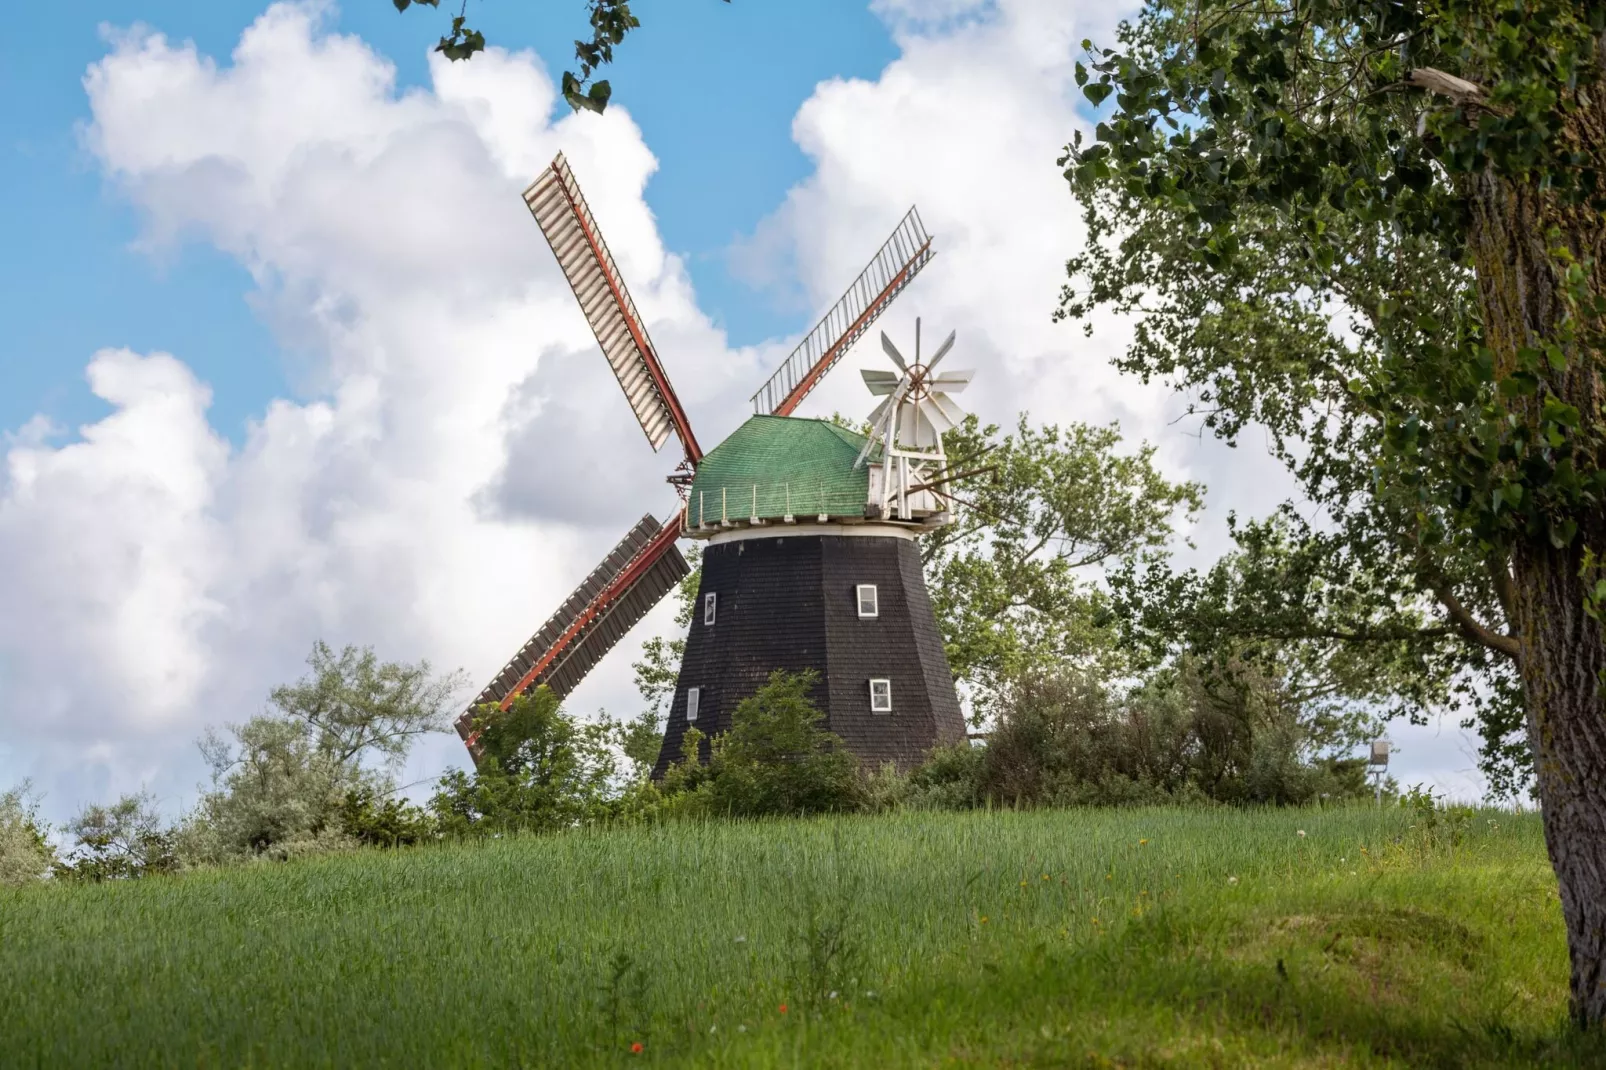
(783, 1008)
(635, 1049)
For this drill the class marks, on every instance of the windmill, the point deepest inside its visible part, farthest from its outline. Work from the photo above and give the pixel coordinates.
(796, 567)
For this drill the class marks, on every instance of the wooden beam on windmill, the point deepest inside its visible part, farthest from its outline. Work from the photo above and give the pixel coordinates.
(555, 200)
(893, 267)
(630, 580)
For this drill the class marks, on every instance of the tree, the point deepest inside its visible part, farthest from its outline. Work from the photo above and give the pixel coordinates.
(1014, 580)
(1375, 229)
(25, 851)
(125, 840)
(539, 771)
(355, 707)
(280, 781)
(611, 20)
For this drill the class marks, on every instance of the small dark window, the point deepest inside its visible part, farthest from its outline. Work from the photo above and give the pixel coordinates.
(693, 694)
(880, 696)
(709, 601)
(868, 606)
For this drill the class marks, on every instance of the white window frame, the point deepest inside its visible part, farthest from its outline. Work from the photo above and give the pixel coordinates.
(694, 699)
(880, 707)
(710, 609)
(875, 601)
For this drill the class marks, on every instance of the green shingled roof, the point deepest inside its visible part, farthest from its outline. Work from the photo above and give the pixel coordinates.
(775, 465)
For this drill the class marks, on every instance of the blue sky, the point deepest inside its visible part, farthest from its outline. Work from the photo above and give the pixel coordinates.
(715, 108)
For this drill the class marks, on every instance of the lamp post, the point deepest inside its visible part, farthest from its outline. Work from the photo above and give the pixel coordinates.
(1377, 764)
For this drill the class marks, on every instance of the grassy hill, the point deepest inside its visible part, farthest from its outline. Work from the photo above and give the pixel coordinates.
(1080, 938)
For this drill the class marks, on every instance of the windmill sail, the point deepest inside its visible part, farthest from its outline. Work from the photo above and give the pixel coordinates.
(558, 206)
(891, 269)
(632, 579)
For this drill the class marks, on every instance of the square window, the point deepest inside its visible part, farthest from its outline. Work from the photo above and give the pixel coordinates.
(880, 696)
(868, 606)
(709, 601)
(693, 695)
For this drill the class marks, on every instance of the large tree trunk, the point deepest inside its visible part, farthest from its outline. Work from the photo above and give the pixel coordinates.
(1562, 649)
(1563, 658)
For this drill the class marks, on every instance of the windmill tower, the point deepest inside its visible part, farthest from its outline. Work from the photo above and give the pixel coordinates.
(810, 558)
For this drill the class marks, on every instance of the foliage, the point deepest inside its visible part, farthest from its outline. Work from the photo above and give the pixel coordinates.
(26, 854)
(1406, 954)
(357, 708)
(657, 672)
(125, 840)
(373, 820)
(1375, 230)
(777, 759)
(1044, 508)
(1185, 736)
(1350, 644)
(1288, 213)
(282, 781)
(539, 770)
(610, 20)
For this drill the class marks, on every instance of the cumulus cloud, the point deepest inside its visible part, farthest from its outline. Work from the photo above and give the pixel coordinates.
(460, 456)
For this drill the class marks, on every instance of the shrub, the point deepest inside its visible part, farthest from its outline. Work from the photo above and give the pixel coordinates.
(25, 851)
(539, 770)
(776, 759)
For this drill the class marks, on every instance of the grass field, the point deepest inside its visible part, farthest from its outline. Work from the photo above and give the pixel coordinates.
(1081, 938)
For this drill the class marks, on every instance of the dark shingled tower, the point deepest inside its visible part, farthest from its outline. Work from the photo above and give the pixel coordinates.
(794, 577)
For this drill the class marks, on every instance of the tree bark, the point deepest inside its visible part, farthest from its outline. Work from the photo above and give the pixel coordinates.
(1561, 648)
(1563, 658)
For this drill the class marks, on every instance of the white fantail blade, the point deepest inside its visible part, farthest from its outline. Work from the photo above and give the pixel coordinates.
(952, 381)
(892, 351)
(876, 416)
(942, 351)
(933, 412)
(880, 382)
(950, 408)
(881, 421)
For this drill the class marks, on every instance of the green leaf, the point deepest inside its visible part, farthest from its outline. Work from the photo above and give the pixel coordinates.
(1097, 92)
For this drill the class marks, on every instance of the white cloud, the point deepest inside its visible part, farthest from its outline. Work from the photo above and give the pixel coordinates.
(462, 457)
(171, 581)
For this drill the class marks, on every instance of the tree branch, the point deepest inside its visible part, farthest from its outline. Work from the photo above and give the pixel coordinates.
(1463, 618)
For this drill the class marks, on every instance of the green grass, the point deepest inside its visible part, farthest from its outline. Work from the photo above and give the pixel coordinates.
(1081, 938)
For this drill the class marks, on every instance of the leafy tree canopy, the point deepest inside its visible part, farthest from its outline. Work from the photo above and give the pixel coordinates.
(1374, 229)
(1015, 580)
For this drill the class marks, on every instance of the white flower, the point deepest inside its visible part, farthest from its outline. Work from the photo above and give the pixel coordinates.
(832, 995)
(1300, 834)
(713, 1029)
(1232, 880)
(741, 1029)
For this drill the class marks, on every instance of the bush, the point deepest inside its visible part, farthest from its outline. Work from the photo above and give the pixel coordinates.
(25, 851)
(1062, 738)
(308, 778)
(777, 760)
(374, 821)
(539, 770)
